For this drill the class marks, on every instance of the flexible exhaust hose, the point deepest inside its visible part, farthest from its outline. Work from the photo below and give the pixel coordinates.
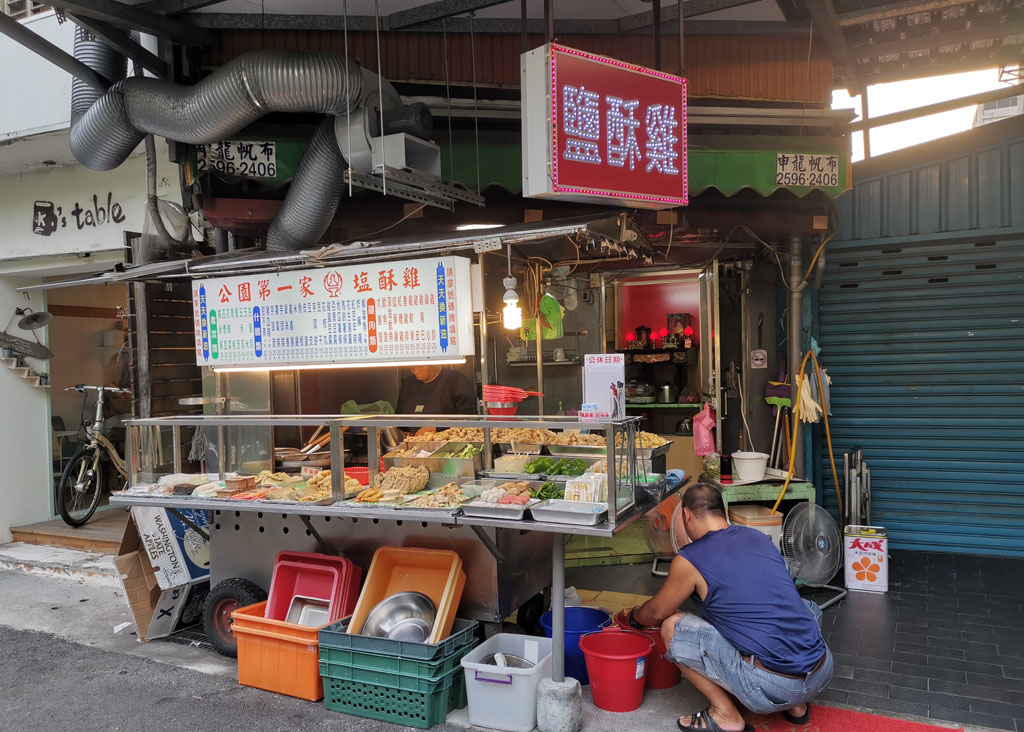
(316, 187)
(105, 130)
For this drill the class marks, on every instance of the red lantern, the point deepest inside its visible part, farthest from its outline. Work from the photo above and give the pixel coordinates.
(655, 336)
(630, 337)
(688, 331)
(663, 332)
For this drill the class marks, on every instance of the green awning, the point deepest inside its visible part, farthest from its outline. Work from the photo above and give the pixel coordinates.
(728, 163)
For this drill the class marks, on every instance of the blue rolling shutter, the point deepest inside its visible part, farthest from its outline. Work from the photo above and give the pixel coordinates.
(925, 345)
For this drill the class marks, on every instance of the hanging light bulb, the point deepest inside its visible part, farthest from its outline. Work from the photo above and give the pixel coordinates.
(512, 316)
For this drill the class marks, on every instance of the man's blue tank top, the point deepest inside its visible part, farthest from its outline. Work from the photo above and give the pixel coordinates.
(752, 600)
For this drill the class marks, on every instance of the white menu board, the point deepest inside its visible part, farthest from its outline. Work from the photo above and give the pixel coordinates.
(390, 312)
(604, 388)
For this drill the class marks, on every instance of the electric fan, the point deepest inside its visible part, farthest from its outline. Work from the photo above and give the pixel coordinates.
(663, 527)
(812, 548)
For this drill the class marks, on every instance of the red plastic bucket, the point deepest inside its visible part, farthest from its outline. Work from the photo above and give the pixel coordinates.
(661, 673)
(617, 666)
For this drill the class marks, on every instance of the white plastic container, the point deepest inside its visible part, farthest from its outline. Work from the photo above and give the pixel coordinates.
(502, 697)
(749, 465)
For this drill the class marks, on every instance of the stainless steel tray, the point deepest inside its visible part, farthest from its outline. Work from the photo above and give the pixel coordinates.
(578, 513)
(476, 507)
(578, 450)
(456, 466)
(520, 448)
(510, 476)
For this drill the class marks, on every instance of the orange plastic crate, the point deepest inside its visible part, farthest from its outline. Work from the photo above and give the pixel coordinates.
(437, 573)
(277, 656)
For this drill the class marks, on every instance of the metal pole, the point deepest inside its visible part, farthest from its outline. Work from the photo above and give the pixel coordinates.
(481, 258)
(682, 61)
(522, 25)
(549, 21)
(39, 45)
(657, 34)
(540, 362)
(795, 337)
(558, 608)
(865, 115)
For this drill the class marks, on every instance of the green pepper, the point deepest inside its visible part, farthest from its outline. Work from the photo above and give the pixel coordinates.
(576, 466)
(548, 491)
(538, 465)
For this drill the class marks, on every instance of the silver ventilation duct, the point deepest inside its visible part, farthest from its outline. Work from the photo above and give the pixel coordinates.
(106, 128)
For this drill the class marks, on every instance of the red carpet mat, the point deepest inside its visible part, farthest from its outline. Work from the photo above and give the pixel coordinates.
(829, 719)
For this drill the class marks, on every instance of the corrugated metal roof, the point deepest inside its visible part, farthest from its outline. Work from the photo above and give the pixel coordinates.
(762, 67)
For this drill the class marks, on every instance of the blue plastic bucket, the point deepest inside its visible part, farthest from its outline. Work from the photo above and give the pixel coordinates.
(578, 622)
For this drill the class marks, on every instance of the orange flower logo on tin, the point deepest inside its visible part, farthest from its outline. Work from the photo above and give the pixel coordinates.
(866, 569)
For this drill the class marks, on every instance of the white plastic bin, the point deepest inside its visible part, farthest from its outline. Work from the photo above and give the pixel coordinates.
(505, 698)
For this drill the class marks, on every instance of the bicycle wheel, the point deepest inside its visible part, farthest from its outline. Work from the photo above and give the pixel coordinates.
(81, 485)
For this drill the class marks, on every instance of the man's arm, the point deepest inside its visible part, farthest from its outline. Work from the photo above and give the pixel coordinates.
(679, 585)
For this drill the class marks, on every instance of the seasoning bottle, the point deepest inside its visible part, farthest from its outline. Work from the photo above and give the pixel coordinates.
(561, 409)
(726, 470)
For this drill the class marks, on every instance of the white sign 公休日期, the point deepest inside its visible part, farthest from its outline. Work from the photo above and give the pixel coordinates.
(604, 385)
(386, 312)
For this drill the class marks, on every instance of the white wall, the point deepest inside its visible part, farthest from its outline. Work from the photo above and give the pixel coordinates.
(24, 431)
(26, 77)
(73, 210)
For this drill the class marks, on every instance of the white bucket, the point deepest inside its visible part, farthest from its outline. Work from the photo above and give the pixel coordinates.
(749, 465)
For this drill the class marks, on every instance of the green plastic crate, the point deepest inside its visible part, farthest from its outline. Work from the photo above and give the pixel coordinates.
(333, 658)
(336, 635)
(386, 704)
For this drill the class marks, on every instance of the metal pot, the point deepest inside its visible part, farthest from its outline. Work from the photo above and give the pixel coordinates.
(667, 394)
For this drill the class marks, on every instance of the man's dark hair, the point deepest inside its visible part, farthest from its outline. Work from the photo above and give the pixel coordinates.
(703, 499)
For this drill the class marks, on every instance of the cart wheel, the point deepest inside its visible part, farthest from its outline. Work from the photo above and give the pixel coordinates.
(223, 600)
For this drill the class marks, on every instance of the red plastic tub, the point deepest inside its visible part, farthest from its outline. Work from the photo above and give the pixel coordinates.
(351, 576)
(661, 673)
(617, 666)
(291, 579)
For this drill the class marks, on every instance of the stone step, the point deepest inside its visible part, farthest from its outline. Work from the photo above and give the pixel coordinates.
(91, 568)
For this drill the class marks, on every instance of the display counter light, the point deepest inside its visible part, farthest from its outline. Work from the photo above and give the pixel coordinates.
(352, 365)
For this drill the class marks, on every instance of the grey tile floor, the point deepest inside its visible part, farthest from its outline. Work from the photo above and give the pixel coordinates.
(946, 642)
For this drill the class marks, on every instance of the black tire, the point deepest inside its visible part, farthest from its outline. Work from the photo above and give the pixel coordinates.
(77, 506)
(223, 600)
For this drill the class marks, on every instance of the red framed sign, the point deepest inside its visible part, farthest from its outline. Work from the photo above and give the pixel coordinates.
(600, 130)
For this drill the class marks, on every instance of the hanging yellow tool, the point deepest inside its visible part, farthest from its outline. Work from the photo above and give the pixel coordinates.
(796, 432)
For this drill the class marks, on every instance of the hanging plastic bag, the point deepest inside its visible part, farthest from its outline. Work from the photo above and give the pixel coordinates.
(703, 435)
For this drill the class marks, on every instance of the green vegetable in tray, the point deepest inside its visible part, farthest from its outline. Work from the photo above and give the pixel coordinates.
(539, 465)
(548, 491)
(467, 452)
(568, 466)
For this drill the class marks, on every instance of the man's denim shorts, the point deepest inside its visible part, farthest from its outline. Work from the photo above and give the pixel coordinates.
(699, 646)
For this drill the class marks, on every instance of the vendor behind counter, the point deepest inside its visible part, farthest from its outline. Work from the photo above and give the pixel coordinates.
(435, 390)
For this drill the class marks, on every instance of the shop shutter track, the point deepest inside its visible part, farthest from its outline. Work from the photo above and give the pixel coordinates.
(925, 346)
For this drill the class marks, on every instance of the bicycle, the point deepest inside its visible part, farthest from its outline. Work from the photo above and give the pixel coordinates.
(81, 482)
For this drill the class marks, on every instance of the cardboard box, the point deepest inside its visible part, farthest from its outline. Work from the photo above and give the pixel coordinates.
(176, 551)
(157, 610)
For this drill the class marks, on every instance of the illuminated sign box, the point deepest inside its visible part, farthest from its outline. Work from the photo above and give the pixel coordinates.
(384, 313)
(597, 130)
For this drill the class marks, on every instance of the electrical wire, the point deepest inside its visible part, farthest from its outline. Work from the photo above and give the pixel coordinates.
(386, 228)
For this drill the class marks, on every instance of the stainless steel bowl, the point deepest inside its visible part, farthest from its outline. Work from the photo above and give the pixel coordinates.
(405, 616)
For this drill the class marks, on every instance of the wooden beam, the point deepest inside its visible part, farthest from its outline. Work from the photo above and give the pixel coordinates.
(435, 11)
(894, 10)
(81, 311)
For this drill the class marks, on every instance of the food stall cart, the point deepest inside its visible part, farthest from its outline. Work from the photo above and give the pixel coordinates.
(505, 559)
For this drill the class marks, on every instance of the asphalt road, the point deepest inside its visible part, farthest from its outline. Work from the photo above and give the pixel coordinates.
(48, 684)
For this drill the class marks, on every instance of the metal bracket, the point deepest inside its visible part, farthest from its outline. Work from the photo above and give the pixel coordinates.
(190, 523)
(488, 543)
(316, 534)
(401, 190)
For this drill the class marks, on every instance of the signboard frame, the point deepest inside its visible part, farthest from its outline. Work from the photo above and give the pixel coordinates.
(366, 314)
(543, 175)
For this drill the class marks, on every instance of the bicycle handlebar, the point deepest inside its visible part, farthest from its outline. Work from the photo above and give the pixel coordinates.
(85, 387)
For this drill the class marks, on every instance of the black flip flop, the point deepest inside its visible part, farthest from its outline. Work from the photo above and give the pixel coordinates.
(793, 719)
(707, 721)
